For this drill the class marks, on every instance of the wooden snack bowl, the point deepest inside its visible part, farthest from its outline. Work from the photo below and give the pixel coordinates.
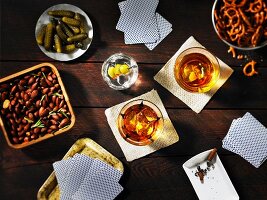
(66, 98)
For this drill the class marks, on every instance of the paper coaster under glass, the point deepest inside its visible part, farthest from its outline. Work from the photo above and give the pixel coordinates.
(165, 138)
(196, 101)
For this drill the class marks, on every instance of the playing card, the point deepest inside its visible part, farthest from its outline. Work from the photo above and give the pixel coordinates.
(165, 28)
(74, 177)
(101, 182)
(230, 137)
(150, 35)
(162, 25)
(138, 21)
(61, 168)
(136, 11)
(248, 138)
(252, 140)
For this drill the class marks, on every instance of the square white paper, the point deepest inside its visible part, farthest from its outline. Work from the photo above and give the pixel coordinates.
(132, 152)
(196, 101)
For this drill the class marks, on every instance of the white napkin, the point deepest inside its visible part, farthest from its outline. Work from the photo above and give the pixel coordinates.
(168, 137)
(196, 101)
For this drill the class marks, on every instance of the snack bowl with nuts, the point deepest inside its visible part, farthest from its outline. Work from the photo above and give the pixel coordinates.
(34, 106)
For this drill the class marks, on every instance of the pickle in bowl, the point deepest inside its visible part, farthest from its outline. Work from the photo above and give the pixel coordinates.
(64, 33)
(70, 32)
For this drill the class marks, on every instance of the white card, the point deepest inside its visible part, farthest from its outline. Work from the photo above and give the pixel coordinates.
(162, 25)
(165, 28)
(80, 167)
(251, 139)
(138, 21)
(101, 182)
(61, 169)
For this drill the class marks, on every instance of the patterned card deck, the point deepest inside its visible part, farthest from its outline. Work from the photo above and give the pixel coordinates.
(248, 138)
(82, 177)
(81, 165)
(153, 27)
(61, 169)
(101, 182)
(165, 28)
(136, 11)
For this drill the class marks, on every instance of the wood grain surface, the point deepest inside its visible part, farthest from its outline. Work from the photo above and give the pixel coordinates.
(158, 175)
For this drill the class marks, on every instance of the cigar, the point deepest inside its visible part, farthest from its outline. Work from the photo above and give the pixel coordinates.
(212, 154)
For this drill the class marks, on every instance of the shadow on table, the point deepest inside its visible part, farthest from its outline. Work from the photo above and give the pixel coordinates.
(123, 181)
(75, 89)
(96, 43)
(189, 137)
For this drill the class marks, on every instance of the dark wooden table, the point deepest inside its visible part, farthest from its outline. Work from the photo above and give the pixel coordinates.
(156, 176)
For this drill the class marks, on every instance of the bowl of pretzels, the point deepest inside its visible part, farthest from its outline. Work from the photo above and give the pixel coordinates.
(241, 24)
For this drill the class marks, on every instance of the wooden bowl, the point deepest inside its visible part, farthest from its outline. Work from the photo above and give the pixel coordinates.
(66, 98)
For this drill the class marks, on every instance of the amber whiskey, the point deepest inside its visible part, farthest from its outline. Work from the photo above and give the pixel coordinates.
(196, 72)
(139, 123)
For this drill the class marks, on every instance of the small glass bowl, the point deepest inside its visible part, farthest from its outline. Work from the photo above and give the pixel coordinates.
(122, 81)
(215, 68)
(135, 139)
(215, 5)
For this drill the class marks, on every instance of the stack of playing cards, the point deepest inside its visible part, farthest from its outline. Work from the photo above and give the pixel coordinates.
(141, 24)
(82, 177)
(248, 138)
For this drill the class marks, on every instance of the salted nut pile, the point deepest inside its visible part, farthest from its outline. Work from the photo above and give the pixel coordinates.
(33, 105)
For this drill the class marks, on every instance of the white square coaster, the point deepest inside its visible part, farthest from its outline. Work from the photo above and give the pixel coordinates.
(196, 101)
(132, 152)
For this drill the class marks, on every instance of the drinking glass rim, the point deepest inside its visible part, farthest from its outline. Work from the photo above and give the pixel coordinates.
(211, 57)
(125, 108)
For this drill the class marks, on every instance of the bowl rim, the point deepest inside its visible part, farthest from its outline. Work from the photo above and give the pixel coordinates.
(46, 136)
(155, 136)
(75, 54)
(228, 43)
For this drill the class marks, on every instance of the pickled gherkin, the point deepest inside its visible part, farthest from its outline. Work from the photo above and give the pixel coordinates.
(61, 34)
(82, 28)
(66, 29)
(77, 38)
(54, 22)
(41, 35)
(69, 48)
(64, 33)
(79, 45)
(71, 21)
(58, 44)
(61, 13)
(75, 29)
(79, 17)
(48, 36)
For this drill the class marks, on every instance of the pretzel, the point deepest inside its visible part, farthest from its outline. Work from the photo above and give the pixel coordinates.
(256, 36)
(251, 65)
(255, 6)
(240, 57)
(242, 22)
(229, 2)
(242, 3)
(232, 50)
(244, 17)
